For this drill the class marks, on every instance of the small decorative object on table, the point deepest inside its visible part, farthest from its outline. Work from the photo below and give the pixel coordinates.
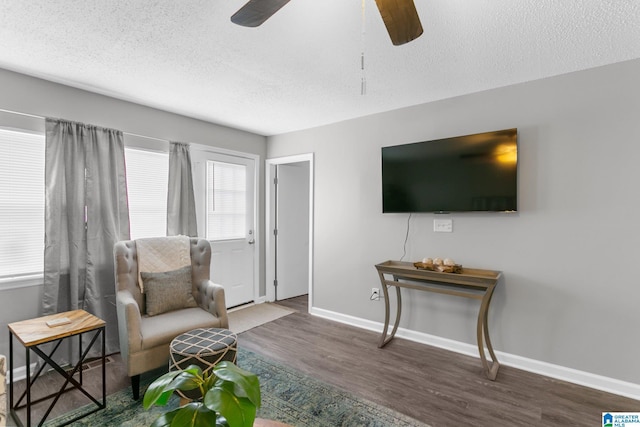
(438, 264)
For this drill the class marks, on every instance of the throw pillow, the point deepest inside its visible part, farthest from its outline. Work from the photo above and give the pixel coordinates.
(168, 290)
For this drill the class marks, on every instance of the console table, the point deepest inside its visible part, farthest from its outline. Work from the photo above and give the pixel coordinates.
(32, 334)
(471, 283)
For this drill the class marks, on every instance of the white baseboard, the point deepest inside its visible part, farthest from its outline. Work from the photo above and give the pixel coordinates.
(20, 373)
(598, 382)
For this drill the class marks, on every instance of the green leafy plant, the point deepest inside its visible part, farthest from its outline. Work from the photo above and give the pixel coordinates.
(228, 397)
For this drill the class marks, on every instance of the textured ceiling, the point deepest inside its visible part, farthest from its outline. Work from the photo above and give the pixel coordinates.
(301, 69)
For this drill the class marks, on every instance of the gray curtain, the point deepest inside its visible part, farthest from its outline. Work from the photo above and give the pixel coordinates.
(86, 213)
(181, 204)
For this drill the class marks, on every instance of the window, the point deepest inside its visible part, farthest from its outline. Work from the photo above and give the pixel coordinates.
(21, 204)
(147, 180)
(226, 201)
(22, 167)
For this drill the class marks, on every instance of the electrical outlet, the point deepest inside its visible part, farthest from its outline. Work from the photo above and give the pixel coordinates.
(375, 294)
(443, 225)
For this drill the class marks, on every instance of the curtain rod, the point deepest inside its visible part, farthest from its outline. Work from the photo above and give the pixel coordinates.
(34, 116)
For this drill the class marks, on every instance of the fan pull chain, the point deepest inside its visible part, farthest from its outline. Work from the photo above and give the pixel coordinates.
(363, 77)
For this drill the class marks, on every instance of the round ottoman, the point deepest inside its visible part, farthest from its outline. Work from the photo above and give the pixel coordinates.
(204, 347)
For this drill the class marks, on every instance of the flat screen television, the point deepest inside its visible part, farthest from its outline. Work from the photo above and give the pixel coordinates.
(462, 174)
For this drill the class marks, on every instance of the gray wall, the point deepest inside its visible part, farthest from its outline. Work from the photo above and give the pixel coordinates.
(570, 295)
(42, 98)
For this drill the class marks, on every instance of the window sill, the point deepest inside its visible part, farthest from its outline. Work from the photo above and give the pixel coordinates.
(17, 282)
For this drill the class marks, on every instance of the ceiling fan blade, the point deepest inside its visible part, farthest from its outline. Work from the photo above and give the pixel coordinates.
(255, 12)
(401, 19)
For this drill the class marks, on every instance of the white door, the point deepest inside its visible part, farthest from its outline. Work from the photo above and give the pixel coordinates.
(292, 224)
(227, 221)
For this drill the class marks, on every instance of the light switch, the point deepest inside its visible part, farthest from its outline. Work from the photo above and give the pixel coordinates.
(443, 225)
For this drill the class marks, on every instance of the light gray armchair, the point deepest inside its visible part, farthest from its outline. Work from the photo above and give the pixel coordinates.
(144, 339)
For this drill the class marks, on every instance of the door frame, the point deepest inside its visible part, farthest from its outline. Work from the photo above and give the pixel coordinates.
(270, 220)
(257, 172)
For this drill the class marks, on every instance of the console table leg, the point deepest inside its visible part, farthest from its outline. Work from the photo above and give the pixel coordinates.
(484, 338)
(384, 339)
(398, 311)
(486, 329)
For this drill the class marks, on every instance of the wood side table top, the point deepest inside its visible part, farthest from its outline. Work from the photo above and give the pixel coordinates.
(35, 331)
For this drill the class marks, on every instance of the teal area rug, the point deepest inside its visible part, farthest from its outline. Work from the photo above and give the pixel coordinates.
(288, 396)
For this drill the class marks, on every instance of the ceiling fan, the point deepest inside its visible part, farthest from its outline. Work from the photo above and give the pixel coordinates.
(399, 16)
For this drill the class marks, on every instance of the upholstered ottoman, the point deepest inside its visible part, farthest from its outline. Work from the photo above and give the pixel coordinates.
(204, 347)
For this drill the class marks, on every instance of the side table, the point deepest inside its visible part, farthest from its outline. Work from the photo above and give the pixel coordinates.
(32, 334)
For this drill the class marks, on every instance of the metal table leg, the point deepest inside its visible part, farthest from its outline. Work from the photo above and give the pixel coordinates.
(48, 359)
(491, 369)
(384, 340)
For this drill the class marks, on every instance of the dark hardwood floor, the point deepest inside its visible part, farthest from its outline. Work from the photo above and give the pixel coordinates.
(438, 387)
(435, 386)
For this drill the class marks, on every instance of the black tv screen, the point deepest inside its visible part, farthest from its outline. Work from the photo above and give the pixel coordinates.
(461, 174)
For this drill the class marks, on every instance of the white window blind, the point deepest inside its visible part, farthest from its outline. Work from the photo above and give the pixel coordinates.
(147, 181)
(226, 201)
(21, 203)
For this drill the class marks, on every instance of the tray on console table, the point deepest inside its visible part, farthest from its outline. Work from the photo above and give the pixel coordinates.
(470, 283)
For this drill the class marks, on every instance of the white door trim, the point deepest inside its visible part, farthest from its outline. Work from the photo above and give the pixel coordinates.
(270, 220)
(256, 205)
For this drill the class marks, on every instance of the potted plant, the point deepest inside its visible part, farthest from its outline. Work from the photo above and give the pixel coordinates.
(228, 397)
